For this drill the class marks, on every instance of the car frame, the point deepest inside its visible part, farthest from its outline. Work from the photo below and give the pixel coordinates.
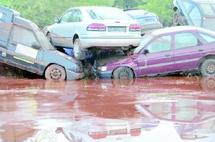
(88, 29)
(194, 51)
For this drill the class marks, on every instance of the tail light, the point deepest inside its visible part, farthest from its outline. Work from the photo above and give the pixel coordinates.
(135, 27)
(96, 27)
(98, 135)
(135, 132)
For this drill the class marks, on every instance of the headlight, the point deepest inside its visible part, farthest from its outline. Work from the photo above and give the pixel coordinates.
(103, 68)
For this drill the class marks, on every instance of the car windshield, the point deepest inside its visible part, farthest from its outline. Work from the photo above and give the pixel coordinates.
(105, 14)
(143, 43)
(207, 9)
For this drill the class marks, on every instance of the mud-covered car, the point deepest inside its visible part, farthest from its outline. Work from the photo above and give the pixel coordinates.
(165, 51)
(24, 46)
(148, 20)
(82, 28)
(199, 13)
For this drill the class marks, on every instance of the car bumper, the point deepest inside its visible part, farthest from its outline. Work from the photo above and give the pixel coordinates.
(87, 42)
(73, 75)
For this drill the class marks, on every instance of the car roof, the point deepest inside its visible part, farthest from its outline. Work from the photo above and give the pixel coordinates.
(180, 29)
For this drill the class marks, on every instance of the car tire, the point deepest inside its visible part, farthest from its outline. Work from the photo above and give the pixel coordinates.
(78, 52)
(123, 73)
(207, 68)
(55, 72)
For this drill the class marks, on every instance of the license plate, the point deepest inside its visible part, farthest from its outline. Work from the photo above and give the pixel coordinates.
(116, 29)
(118, 132)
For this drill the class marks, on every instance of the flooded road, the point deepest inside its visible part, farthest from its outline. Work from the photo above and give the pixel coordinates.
(169, 109)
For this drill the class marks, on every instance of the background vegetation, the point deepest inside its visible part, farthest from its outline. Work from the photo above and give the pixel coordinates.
(43, 12)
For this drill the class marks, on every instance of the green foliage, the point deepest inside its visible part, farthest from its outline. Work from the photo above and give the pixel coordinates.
(163, 8)
(43, 12)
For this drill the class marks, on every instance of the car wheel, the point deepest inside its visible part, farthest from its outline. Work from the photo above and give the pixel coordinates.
(78, 52)
(123, 73)
(55, 72)
(207, 68)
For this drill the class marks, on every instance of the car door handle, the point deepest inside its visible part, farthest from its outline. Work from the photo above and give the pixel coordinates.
(167, 55)
(200, 50)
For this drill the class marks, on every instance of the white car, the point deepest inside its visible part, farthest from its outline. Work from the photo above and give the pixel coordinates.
(86, 27)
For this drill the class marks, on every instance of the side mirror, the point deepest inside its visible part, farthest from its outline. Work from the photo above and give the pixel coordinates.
(146, 51)
(36, 46)
(57, 20)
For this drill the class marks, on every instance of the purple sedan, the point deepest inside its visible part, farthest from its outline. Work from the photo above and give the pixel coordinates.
(164, 51)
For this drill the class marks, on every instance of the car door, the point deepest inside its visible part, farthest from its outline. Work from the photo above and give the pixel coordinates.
(64, 31)
(23, 50)
(159, 59)
(188, 49)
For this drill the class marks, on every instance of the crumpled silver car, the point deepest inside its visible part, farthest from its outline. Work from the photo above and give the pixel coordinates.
(82, 28)
(199, 13)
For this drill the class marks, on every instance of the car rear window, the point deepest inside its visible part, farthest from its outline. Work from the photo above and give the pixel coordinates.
(207, 37)
(107, 14)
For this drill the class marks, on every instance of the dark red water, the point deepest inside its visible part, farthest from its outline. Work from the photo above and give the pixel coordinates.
(168, 109)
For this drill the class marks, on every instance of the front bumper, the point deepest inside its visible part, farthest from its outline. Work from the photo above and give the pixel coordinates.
(73, 75)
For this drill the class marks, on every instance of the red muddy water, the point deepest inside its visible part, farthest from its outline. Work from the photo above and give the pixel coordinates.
(169, 109)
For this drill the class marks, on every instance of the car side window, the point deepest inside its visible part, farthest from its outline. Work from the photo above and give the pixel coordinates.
(72, 16)
(184, 40)
(207, 37)
(160, 44)
(24, 37)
